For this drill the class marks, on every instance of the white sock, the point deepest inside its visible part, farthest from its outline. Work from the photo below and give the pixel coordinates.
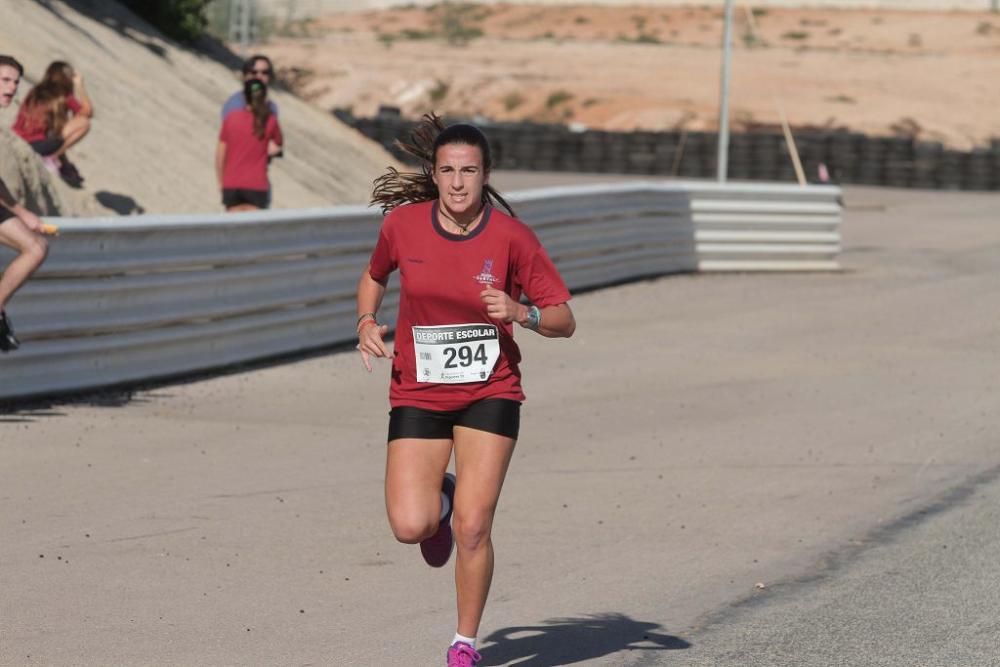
(471, 641)
(445, 505)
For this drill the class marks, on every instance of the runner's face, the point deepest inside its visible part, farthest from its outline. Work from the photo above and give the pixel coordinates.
(460, 177)
(9, 78)
(260, 72)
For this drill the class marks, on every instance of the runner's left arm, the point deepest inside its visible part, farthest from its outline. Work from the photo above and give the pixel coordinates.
(554, 321)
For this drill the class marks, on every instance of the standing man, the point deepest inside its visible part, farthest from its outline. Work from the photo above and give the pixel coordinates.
(20, 229)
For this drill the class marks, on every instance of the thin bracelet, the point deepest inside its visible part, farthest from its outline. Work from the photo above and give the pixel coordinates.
(364, 315)
(364, 324)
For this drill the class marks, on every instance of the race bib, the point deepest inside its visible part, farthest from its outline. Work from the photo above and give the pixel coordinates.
(455, 353)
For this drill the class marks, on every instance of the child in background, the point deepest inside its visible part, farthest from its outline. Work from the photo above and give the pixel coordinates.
(54, 117)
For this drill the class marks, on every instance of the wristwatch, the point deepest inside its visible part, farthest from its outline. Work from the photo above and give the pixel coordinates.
(534, 318)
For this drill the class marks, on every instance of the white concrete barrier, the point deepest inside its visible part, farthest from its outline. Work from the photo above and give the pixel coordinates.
(132, 299)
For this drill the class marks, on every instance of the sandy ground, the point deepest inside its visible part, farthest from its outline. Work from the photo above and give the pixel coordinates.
(916, 73)
(156, 124)
(698, 436)
(283, 9)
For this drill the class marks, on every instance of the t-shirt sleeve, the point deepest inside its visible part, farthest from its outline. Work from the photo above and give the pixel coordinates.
(224, 131)
(383, 260)
(538, 276)
(73, 104)
(274, 130)
(232, 104)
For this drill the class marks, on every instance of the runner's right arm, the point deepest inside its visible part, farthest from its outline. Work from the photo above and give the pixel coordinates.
(370, 343)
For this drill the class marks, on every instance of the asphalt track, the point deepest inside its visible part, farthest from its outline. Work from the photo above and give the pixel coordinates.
(724, 470)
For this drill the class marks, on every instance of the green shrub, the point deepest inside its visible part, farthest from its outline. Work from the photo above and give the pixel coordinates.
(183, 20)
(454, 21)
(641, 38)
(512, 100)
(558, 97)
(439, 91)
(410, 33)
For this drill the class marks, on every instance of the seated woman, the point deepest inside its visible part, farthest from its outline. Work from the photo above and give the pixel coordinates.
(248, 139)
(54, 117)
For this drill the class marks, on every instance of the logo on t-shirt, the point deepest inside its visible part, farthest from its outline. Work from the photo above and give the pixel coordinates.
(486, 277)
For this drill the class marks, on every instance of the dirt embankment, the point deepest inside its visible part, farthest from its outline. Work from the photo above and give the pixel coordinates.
(32, 185)
(155, 128)
(916, 73)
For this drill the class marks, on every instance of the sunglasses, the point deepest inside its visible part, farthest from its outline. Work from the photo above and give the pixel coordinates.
(261, 71)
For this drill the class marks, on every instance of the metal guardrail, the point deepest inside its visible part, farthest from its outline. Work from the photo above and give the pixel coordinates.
(150, 297)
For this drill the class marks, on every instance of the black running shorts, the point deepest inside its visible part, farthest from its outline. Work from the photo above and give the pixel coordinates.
(5, 214)
(501, 416)
(235, 197)
(47, 146)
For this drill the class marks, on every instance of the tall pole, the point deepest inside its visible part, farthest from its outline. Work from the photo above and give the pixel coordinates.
(245, 27)
(727, 56)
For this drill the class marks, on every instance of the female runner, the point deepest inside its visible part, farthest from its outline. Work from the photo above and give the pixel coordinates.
(455, 383)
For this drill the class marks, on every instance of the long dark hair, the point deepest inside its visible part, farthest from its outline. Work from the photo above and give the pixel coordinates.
(250, 62)
(255, 94)
(47, 100)
(395, 188)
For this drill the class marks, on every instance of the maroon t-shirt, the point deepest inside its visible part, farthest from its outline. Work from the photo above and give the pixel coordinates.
(245, 167)
(441, 277)
(34, 126)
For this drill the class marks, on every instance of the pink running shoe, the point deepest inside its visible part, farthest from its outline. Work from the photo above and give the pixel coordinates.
(436, 549)
(51, 163)
(461, 654)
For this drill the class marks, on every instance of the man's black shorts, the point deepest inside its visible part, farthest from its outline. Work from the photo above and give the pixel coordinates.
(494, 415)
(5, 214)
(235, 197)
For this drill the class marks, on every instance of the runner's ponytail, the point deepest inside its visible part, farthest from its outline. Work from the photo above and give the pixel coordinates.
(395, 188)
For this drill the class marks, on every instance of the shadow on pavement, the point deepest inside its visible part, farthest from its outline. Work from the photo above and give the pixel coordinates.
(120, 204)
(119, 396)
(566, 641)
(31, 410)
